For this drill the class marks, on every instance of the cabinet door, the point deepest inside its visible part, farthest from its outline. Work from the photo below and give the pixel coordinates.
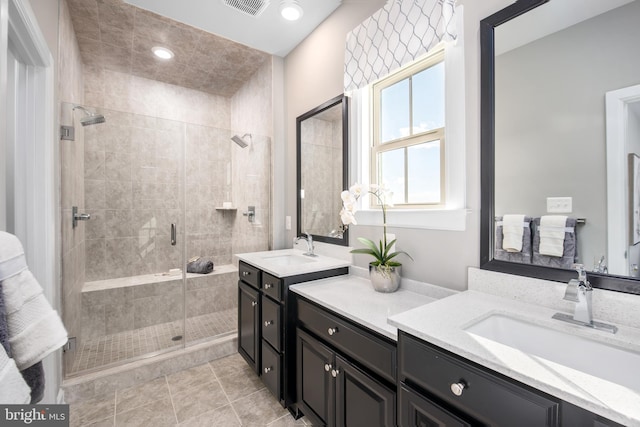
(417, 411)
(249, 325)
(361, 400)
(315, 384)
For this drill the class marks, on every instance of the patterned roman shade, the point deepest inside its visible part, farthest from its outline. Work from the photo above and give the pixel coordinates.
(396, 34)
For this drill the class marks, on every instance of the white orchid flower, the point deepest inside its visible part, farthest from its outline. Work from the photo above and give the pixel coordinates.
(356, 189)
(347, 217)
(347, 197)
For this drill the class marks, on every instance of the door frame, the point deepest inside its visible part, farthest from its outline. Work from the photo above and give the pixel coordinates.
(32, 145)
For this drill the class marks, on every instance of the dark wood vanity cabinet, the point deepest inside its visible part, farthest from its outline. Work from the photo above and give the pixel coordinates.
(266, 327)
(438, 388)
(345, 373)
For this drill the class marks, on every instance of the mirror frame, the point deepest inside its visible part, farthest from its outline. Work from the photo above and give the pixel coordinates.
(487, 167)
(340, 99)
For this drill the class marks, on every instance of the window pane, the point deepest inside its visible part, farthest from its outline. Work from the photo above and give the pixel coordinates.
(394, 111)
(391, 172)
(424, 173)
(428, 99)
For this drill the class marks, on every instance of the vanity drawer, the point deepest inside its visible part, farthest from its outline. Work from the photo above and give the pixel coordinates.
(485, 396)
(249, 274)
(271, 322)
(272, 286)
(271, 362)
(362, 345)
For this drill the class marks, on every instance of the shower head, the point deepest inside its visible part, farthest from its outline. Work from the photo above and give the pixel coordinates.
(240, 140)
(91, 118)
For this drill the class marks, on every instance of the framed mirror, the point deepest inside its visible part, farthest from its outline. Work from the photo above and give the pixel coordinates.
(560, 130)
(322, 166)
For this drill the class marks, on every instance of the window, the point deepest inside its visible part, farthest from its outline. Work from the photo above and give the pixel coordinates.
(409, 135)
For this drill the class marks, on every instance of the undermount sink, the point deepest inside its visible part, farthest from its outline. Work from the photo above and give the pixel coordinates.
(593, 357)
(288, 260)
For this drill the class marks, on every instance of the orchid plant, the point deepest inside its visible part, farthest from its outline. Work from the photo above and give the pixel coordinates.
(382, 251)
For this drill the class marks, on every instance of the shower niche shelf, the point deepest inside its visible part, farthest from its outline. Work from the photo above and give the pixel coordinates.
(222, 208)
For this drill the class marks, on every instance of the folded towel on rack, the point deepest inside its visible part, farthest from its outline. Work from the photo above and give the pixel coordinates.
(200, 265)
(552, 235)
(524, 256)
(512, 232)
(35, 329)
(570, 246)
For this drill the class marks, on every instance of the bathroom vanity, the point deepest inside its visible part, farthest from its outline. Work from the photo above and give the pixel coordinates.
(266, 312)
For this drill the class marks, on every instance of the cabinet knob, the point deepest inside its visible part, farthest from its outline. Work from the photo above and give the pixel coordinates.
(254, 303)
(268, 322)
(245, 273)
(335, 372)
(327, 367)
(458, 388)
(267, 370)
(332, 331)
(268, 285)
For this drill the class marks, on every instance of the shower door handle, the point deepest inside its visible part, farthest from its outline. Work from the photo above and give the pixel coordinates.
(173, 234)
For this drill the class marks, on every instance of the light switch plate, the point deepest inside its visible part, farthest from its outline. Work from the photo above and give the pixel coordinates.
(559, 204)
(287, 222)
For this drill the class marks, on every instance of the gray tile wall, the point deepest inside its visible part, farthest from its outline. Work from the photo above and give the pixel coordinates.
(110, 311)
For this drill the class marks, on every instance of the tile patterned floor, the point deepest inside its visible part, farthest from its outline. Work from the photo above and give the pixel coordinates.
(115, 348)
(221, 393)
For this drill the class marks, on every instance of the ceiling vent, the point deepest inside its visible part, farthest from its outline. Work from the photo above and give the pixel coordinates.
(249, 7)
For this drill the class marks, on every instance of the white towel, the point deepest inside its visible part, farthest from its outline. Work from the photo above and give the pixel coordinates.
(552, 229)
(13, 389)
(35, 329)
(512, 232)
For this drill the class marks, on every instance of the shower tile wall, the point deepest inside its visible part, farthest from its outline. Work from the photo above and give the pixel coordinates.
(251, 113)
(326, 149)
(133, 191)
(70, 90)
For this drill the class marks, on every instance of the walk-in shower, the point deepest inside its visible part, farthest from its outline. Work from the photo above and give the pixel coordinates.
(140, 176)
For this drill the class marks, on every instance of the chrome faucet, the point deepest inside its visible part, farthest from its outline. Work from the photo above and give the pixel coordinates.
(580, 291)
(309, 241)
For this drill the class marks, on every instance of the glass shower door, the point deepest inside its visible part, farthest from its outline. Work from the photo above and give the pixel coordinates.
(123, 269)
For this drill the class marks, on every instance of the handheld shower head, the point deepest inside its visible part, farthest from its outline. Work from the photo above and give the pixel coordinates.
(240, 140)
(91, 118)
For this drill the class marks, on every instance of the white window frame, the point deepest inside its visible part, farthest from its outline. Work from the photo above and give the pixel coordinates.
(453, 215)
(378, 146)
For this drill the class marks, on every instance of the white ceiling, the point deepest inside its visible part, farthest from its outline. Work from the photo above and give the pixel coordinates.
(269, 32)
(548, 19)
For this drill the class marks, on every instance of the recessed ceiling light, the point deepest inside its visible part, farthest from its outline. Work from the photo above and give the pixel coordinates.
(290, 10)
(162, 52)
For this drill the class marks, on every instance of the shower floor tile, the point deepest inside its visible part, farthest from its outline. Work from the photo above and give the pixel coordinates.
(122, 346)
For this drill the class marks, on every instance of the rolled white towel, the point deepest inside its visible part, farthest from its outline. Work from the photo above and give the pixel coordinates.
(552, 229)
(512, 232)
(35, 329)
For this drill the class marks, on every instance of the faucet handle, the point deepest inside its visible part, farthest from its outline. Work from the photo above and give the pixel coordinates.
(571, 293)
(582, 272)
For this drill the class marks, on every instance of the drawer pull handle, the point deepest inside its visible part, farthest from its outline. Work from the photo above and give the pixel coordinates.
(268, 322)
(246, 273)
(267, 370)
(268, 285)
(335, 372)
(332, 331)
(327, 367)
(254, 303)
(458, 388)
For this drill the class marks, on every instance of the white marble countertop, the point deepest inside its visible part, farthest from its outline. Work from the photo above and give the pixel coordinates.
(273, 262)
(354, 298)
(443, 322)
